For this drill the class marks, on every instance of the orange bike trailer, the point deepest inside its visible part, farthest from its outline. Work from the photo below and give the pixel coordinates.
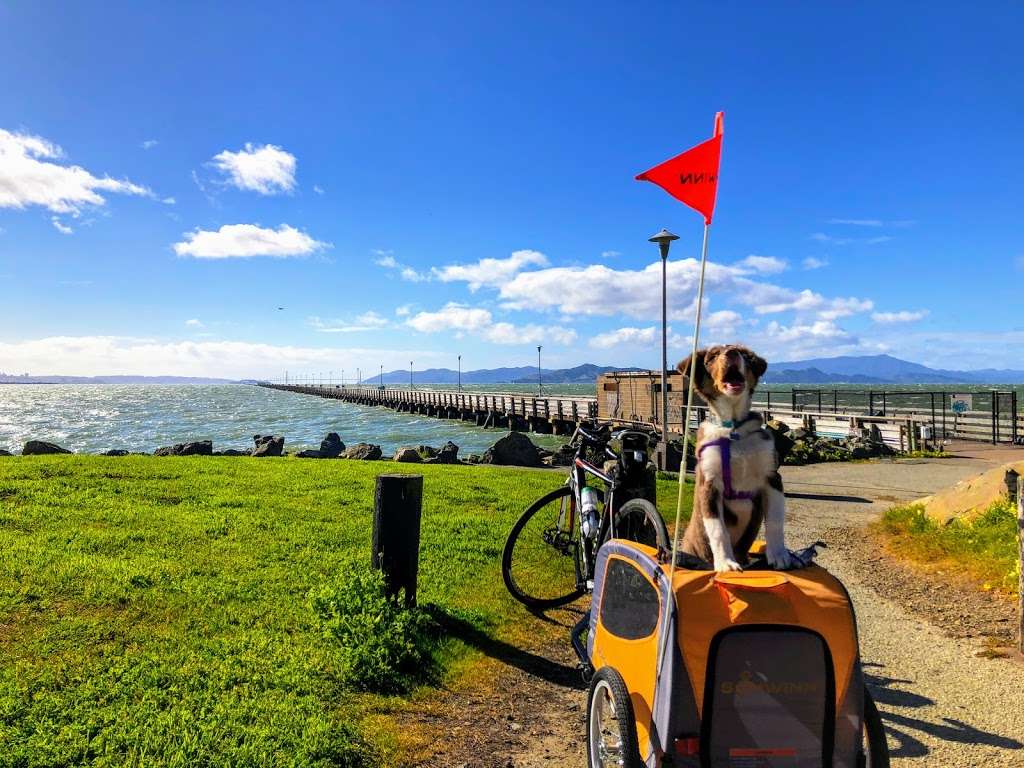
(752, 669)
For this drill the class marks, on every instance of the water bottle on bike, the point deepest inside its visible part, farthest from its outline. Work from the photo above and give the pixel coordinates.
(590, 521)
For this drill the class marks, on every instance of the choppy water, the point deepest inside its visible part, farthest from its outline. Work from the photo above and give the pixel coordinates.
(91, 418)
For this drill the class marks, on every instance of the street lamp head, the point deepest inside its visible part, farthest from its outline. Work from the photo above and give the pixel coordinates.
(664, 240)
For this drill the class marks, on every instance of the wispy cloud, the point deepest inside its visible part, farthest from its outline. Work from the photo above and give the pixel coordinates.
(903, 316)
(61, 227)
(368, 321)
(813, 262)
(387, 260)
(765, 265)
(194, 323)
(247, 241)
(610, 254)
(490, 272)
(149, 143)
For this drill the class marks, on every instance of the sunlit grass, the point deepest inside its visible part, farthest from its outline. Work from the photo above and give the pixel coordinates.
(153, 611)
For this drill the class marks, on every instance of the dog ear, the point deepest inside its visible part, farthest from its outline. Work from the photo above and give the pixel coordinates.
(758, 365)
(700, 373)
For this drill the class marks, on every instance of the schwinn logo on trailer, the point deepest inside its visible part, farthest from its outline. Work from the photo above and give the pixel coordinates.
(746, 685)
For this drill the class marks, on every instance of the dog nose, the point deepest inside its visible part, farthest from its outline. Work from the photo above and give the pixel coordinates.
(731, 354)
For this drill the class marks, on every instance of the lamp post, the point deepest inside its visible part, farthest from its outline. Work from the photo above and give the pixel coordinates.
(359, 377)
(664, 240)
(342, 378)
(540, 387)
(410, 375)
(460, 373)
(382, 375)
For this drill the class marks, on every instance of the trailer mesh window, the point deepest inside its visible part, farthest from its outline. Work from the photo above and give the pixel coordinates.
(629, 604)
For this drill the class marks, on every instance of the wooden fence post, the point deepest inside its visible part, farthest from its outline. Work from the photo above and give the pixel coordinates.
(1020, 578)
(397, 506)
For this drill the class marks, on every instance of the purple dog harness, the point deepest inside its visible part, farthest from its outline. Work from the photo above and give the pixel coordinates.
(724, 445)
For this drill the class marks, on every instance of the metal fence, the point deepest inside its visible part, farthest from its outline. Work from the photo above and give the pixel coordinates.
(990, 414)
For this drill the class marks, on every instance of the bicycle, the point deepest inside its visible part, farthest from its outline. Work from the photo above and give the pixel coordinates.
(549, 555)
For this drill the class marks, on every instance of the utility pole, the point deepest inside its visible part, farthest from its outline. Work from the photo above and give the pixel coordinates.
(460, 373)
(540, 387)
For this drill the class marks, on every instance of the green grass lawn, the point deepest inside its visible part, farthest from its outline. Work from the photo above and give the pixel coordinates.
(985, 549)
(153, 611)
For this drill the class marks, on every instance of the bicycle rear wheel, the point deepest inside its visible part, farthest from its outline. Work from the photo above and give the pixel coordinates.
(539, 563)
(638, 520)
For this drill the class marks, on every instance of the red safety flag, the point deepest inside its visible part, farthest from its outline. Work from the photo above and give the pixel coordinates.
(692, 177)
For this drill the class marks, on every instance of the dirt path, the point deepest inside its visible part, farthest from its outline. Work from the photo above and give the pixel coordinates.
(943, 705)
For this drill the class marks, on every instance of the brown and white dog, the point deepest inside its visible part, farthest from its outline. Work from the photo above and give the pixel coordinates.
(738, 483)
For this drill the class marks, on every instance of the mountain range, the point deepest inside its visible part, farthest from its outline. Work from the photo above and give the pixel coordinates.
(864, 369)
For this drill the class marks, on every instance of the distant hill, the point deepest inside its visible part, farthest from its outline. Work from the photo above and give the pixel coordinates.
(581, 374)
(879, 369)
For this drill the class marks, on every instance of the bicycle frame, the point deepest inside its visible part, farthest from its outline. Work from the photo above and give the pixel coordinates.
(584, 562)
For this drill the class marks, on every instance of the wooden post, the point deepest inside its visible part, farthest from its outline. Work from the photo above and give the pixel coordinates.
(1020, 578)
(397, 505)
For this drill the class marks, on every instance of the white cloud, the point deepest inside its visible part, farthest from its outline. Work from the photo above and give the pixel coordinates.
(722, 320)
(149, 143)
(410, 275)
(765, 265)
(876, 240)
(168, 201)
(813, 262)
(111, 355)
(248, 240)
(610, 254)
(404, 311)
(821, 237)
(194, 323)
(266, 169)
(318, 189)
(452, 316)
(845, 307)
(490, 272)
(387, 260)
(903, 316)
(464, 319)
(368, 321)
(60, 226)
(820, 330)
(641, 337)
(29, 177)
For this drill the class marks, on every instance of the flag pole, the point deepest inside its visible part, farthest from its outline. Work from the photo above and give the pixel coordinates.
(689, 401)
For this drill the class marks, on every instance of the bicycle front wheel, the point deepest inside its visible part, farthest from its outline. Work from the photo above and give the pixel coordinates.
(638, 520)
(539, 563)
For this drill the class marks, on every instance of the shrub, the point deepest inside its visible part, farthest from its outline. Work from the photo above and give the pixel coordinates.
(383, 646)
(986, 547)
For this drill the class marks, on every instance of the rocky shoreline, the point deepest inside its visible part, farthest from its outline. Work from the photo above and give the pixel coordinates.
(795, 446)
(512, 449)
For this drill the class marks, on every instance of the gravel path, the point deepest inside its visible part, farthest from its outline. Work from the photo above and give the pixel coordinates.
(943, 705)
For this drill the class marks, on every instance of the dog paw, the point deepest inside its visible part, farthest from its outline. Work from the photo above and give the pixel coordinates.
(781, 559)
(727, 564)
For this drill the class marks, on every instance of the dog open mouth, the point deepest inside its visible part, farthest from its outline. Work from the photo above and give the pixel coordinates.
(734, 380)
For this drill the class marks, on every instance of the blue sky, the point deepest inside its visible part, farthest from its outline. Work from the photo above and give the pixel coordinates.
(417, 181)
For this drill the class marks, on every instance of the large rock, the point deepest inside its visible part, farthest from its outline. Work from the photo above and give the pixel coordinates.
(115, 452)
(783, 441)
(449, 454)
(364, 452)
(195, 448)
(562, 457)
(331, 446)
(514, 449)
(426, 452)
(268, 445)
(41, 448)
(408, 456)
(234, 452)
(309, 454)
(5, 452)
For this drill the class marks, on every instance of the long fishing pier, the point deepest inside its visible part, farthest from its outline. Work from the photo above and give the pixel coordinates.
(555, 414)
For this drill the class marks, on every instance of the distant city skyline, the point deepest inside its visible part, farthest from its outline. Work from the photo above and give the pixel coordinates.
(200, 191)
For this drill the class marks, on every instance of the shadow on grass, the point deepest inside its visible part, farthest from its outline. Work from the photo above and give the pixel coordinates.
(526, 661)
(828, 497)
(899, 727)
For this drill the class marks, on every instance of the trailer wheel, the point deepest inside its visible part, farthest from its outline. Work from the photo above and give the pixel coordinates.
(876, 747)
(611, 729)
